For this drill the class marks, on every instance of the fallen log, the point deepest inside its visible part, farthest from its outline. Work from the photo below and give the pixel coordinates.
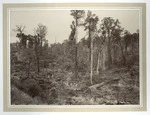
(94, 87)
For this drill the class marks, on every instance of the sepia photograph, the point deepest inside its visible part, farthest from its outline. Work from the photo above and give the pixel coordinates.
(75, 56)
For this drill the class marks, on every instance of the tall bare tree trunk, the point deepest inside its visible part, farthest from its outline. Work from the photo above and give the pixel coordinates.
(98, 63)
(91, 74)
(104, 57)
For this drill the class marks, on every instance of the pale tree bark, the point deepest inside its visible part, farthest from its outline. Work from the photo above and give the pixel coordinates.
(77, 15)
(101, 60)
(91, 74)
(98, 63)
(91, 22)
(104, 57)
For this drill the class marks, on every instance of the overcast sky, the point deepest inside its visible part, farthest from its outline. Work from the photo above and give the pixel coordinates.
(58, 22)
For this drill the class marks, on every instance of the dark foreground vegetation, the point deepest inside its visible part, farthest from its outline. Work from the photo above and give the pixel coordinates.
(102, 69)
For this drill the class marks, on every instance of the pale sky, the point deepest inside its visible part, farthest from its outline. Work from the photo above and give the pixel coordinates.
(58, 22)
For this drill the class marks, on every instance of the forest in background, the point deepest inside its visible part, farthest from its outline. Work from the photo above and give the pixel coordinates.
(102, 69)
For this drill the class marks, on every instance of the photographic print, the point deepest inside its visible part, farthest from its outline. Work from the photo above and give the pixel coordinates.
(75, 56)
